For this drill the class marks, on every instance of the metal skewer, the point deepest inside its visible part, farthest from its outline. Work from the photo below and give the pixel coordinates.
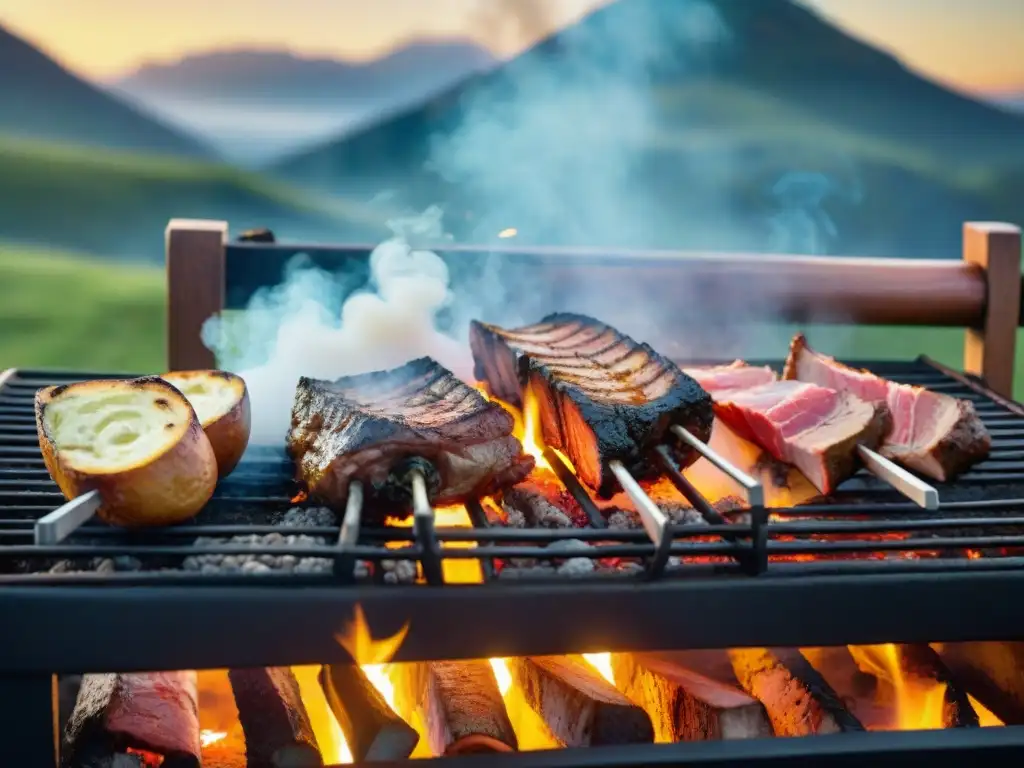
(909, 485)
(348, 535)
(751, 487)
(655, 521)
(66, 519)
(423, 527)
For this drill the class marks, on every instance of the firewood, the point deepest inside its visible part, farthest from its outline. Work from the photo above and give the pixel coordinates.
(277, 730)
(372, 730)
(577, 704)
(919, 664)
(685, 705)
(460, 704)
(992, 672)
(156, 712)
(797, 699)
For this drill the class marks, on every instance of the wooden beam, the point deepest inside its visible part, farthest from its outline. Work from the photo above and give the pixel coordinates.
(278, 733)
(372, 730)
(195, 252)
(990, 347)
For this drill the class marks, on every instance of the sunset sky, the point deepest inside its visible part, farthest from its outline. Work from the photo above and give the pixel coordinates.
(972, 44)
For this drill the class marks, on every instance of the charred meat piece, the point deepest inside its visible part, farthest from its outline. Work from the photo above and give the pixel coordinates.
(601, 396)
(815, 429)
(935, 434)
(735, 375)
(375, 427)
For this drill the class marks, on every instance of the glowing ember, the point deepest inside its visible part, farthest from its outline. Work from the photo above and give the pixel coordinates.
(206, 738)
(918, 703)
(986, 719)
(507, 233)
(299, 497)
(501, 673)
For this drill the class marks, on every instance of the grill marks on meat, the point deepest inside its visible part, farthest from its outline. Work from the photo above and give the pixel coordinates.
(813, 428)
(932, 433)
(373, 427)
(600, 395)
(735, 375)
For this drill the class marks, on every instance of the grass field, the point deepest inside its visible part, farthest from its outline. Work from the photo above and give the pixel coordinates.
(65, 311)
(118, 203)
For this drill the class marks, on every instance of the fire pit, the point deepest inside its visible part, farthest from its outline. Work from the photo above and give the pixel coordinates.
(551, 620)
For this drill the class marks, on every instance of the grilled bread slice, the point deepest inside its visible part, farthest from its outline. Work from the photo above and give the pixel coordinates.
(221, 402)
(138, 442)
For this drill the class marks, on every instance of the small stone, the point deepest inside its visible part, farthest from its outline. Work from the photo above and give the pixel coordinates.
(61, 566)
(209, 568)
(631, 569)
(191, 564)
(287, 562)
(576, 566)
(106, 565)
(362, 569)
(405, 571)
(568, 545)
(127, 563)
(253, 566)
(622, 521)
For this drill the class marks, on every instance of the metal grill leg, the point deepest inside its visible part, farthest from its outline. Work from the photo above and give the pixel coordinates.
(28, 711)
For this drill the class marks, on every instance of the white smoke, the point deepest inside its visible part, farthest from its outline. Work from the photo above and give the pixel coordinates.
(290, 331)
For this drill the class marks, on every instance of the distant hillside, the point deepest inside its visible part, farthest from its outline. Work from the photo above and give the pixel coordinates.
(414, 69)
(118, 204)
(42, 100)
(724, 124)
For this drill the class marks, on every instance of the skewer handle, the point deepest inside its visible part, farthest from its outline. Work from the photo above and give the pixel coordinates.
(653, 519)
(349, 533)
(909, 485)
(66, 519)
(423, 525)
(753, 489)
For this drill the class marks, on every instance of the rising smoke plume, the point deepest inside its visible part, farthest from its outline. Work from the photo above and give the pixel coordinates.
(558, 145)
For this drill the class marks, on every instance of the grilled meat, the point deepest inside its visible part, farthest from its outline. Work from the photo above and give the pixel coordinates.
(814, 428)
(735, 375)
(601, 395)
(935, 434)
(376, 427)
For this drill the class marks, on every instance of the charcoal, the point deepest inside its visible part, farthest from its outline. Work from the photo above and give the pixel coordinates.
(309, 517)
(399, 571)
(534, 509)
(214, 563)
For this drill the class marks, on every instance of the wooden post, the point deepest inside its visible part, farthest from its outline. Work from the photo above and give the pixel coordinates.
(195, 289)
(989, 350)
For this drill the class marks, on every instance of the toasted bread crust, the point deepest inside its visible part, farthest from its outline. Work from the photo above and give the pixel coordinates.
(168, 488)
(229, 433)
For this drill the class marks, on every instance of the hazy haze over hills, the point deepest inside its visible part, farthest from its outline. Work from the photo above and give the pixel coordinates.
(722, 123)
(254, 104)
(42, 100)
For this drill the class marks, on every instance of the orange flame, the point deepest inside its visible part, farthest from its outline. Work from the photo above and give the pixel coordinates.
(207, 737)
(918, 703)
(357, 639)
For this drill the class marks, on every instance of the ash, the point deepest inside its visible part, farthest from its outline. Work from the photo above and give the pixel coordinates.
(678, 514)
(527, 508)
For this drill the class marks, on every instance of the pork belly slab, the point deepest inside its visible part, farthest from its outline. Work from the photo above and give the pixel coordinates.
(601, 395)
(735, 375)
(932, 433)
(814, 428)
(376, 427)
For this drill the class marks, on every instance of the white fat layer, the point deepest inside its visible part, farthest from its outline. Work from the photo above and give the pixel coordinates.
(210, 397)
(116, 430)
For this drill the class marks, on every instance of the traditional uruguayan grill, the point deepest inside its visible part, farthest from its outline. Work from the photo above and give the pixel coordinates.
(880, 560)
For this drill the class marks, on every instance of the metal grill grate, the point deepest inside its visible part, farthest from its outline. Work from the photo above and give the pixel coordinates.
(866, 526)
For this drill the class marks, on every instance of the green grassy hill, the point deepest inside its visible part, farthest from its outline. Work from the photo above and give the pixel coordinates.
(118, 204)
(67, 311)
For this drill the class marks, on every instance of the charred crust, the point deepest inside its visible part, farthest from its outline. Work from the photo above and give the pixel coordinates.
(169, 425)
(161, 402)
(54, 391)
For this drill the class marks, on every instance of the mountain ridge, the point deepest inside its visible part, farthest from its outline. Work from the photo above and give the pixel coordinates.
(42, 99)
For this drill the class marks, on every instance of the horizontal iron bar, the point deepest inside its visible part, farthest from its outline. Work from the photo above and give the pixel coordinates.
(951, 748)
(140, 628)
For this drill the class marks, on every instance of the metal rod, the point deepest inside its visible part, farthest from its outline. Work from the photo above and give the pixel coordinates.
(66, 519)
(423, 525)
(348, 534)
(907, 484)
(654, 520)
(575, 489)
(753, 489)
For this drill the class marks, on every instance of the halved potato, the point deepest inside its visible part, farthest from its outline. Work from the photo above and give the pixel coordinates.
(221, 401)
(137, 442)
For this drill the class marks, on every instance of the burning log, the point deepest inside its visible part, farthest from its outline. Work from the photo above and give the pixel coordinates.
(277, 730)
(686, 705)
(992, 672)
(372, 730)
(460, 704)
(798, 700)
(154, 712)
(919, 666)
(579, 706)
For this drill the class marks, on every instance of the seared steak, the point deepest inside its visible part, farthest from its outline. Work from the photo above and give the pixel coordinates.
(735, 375)
(376, 427)
(935, 434)
(600, 394)
(815, 429)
